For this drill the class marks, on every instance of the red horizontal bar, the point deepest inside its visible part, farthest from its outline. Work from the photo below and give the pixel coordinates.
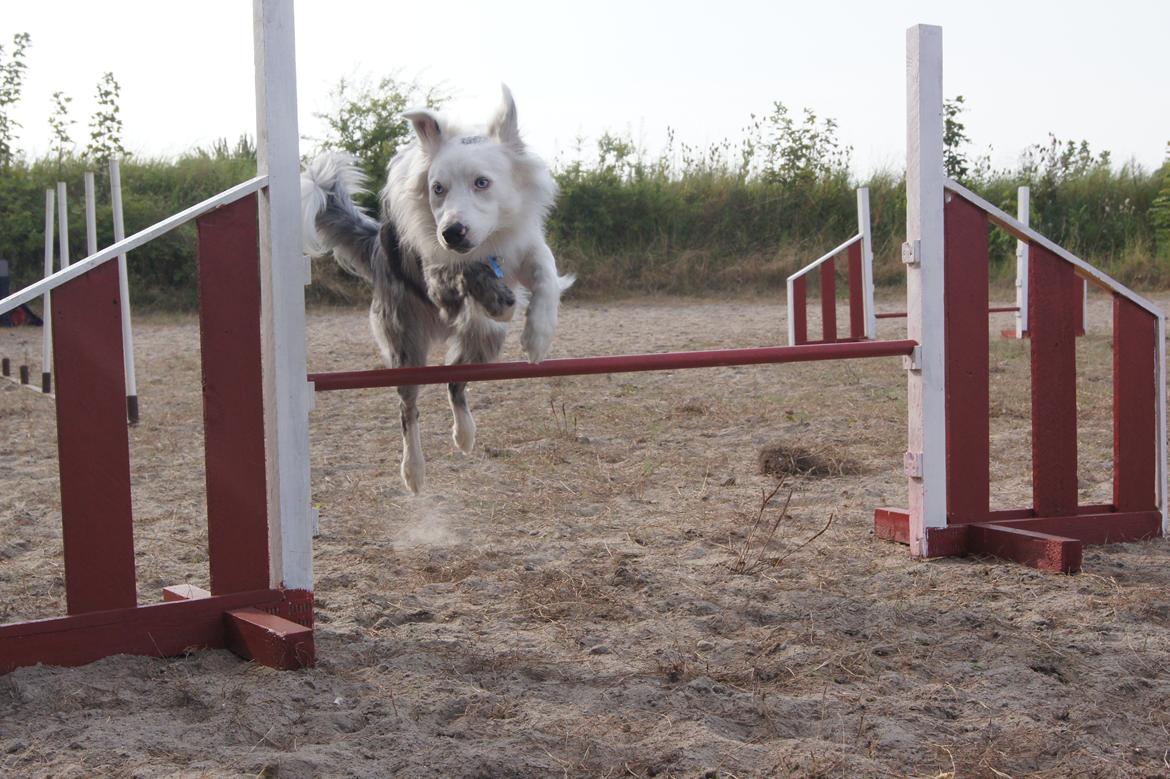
(902, 314)
(624, 363)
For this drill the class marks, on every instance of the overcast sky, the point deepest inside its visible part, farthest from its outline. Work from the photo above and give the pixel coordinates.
(1087, 70)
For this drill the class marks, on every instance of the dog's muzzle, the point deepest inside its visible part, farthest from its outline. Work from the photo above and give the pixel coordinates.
(455, 237)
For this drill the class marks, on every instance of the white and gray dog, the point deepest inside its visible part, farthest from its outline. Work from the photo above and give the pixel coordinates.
(462, 221)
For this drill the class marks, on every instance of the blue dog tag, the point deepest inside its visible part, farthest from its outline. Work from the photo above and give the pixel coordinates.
(495, 266)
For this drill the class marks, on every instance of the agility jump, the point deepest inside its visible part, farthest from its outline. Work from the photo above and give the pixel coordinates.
(260, 594)
(862, 311)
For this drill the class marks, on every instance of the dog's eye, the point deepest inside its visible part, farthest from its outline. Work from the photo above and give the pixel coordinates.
(438, 188)
(483, 182)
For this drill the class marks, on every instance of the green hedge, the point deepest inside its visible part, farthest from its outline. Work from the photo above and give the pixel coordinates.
(632, 226)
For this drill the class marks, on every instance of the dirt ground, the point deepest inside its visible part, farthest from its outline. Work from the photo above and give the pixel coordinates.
(593, 592)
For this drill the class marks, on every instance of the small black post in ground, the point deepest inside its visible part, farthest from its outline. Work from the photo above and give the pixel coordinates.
(5, 367)
(24, 374)
(46, 383)
(132, 409)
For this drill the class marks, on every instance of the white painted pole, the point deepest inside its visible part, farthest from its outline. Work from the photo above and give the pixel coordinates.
(865, 229)
(1023, 204)
(926, 383)
(124, 293)
(90, 216)
(1084, 303)
(62, 225)
(282, 278)
(47, 331)
(791, 313)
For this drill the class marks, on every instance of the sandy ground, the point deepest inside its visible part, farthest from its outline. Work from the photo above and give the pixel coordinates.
(585, 596)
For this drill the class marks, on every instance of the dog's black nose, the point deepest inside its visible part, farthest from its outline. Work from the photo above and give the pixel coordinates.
(455, 236)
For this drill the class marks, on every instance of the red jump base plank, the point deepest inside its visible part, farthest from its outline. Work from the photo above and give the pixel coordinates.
(269, 640)
(1042, 551)
(893, 524)
(184, 592)
(1095, 529)
(1046, 543)
(159, 630)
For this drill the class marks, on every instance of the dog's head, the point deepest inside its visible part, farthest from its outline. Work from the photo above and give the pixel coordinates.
(471, 179)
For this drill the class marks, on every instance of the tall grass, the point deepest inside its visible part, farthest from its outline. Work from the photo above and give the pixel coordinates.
(730, 217)
(163, 274)
(744, 217)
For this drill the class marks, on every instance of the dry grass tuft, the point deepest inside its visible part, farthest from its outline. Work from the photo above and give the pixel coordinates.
(783, 460)
(752, 555)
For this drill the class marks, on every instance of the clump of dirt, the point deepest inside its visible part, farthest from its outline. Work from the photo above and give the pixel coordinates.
(782, 460)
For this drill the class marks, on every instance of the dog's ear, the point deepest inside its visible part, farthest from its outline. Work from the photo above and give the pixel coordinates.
(504, 126)
(427, 128)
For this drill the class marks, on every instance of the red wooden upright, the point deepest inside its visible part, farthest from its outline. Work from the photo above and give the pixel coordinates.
(233, 401)
(93, 443)
(799, 312)
(1135, 378)
(1052, 324)
(967, 356)
(856, 293)
(829, 300)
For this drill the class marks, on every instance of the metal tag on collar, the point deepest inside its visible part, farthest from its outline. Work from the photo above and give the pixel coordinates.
(495, 266)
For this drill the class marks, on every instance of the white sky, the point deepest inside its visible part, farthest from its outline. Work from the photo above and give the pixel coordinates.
(1079, 69)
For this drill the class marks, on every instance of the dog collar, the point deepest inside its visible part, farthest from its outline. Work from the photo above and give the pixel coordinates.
(494, 264)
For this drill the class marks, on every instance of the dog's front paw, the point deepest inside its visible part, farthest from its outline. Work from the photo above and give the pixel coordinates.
(481, 284)
(535, 342)
(503, 306)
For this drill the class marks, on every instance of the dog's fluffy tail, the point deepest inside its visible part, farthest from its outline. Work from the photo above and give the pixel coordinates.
(331, 221)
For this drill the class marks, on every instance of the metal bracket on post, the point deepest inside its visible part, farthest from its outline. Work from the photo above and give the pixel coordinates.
(308, 270)
(311, 401)
(913, 361)
(912, 253)
(912, 463)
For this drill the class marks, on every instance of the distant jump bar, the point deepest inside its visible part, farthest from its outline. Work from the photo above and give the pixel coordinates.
(902, 314)
(624, 363)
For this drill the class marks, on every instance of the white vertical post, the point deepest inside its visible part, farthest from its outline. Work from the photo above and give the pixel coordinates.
(124, 293)
(865, 229)
(90, 216)
(791, 314)
(926, 384)
(1084, 303)
(1023, 204)
(47, 332)
(62, 225)
(286, 388)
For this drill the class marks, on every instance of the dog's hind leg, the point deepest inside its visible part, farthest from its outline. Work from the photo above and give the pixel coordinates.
(404, 347)
(414, 466)
(477, 340)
